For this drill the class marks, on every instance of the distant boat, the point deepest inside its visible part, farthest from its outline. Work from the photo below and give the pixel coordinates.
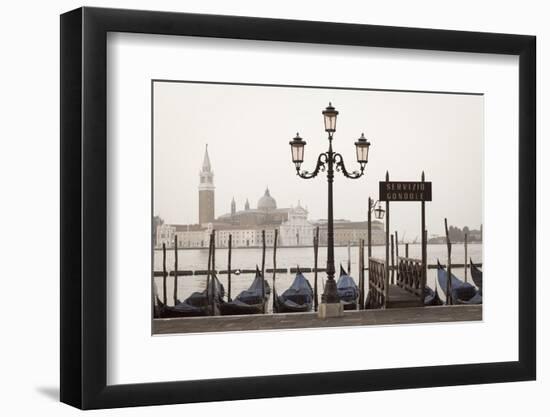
(477, 276)
(298, 298)
(250, 301)
(204, 303)
(461, 292)
(431, 297)
(348, 291)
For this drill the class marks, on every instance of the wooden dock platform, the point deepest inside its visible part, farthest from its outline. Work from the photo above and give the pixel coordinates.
(401, 298)
(440, 314)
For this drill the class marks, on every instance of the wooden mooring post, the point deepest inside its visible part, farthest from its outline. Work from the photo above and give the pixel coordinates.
(359, 271)
(369, 228)
(263, 253)
(315, 259)
(396, 256)
(208, 268)
(387, 263)
(465, 257)
(424, 238)
(361, 274)
(392, 261)
(229, 247)
(396, 245)
(349, 257)
(263, 269)
(164, 274)
(424, 262)
(275, 238)
(449, 295)
(175, 269)
(369, 241)
(213, 274)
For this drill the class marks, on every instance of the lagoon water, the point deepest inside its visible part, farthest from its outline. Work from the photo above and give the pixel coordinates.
(248, 258)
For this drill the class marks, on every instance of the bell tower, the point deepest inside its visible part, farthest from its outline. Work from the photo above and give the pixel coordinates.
(206, 191)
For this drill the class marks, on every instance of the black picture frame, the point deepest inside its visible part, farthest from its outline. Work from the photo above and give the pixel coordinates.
(84, 207)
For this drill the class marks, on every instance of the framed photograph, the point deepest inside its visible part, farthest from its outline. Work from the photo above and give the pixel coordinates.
(239, 192)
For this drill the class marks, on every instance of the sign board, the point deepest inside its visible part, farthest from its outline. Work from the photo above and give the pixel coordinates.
(405, 191)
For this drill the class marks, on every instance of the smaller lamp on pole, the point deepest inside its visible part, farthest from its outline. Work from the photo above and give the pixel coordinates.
(362, 147)
(330, 114)
(297, 147)
(379, 212)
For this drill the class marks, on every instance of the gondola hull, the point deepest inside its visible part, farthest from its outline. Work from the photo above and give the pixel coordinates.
(251, 301)
(477, 276)
(168, 312)
(298, 298)
(476, 299)
(459, 290)
(349, 305)
(287, 306)
(198, 304)
(185, 309)
(348, 291)
(431, 297)
(238, 308)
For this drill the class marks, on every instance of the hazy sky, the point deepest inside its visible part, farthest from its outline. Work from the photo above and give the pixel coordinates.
(247, 129)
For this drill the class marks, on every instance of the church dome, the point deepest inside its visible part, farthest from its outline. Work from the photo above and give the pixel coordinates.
(267, 202)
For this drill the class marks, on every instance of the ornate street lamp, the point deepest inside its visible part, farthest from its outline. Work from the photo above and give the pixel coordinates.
(330, 114)
(330, 161)
(376, 207)
(379, 211)
(297, 146)
(362, 148)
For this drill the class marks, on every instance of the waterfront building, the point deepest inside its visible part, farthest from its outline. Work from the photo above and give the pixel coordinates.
(246, 225)
(206, 191)
(346, 231)
(189, 235)
(297, 230)
(157, 221)
(165, 235)
(266, 213)
(243, 237)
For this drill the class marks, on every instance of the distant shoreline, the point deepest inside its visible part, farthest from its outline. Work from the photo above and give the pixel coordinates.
(310, 246)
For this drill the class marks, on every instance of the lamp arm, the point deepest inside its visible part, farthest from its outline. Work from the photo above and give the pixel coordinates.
(321, 161)
(373, 205)
(339, 161)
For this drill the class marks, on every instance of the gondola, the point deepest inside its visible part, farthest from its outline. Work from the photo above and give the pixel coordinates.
(298, 298)
(431, 297)
(348, 291)
(476, 299)
(156, 302)
(477, 276)
(461, 292)
(250, 301)
(203, 303)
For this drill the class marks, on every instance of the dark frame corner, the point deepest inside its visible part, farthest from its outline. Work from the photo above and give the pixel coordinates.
(83, 207)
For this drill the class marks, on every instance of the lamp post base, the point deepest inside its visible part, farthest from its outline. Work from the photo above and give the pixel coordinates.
(327, 310)
(331, 292)
(330, 301)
